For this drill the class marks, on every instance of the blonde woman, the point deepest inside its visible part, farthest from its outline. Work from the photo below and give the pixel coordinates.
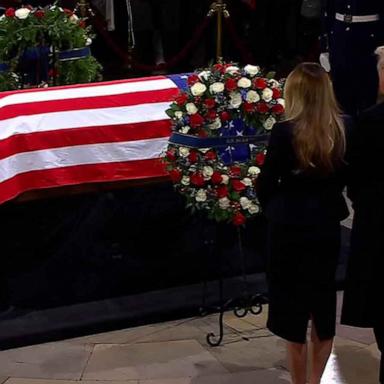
(300, 189)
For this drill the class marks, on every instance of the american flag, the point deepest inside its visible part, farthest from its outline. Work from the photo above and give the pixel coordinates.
(71, 135)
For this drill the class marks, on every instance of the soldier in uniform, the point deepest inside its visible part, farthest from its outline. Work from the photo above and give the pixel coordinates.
(353, 29)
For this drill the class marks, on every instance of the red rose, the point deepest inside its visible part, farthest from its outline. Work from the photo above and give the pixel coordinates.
(193, 157)
(197, 179)
(202, 133)
(230, 84)
(210, 103)
(219, 68)
(211, 115)
(260, 83)
(82, 24)
(39, 14)
(10, 12)
(262, 107)
(196, 120)
(276, 93)
(193, 79)
(222, 191)
(239, 219)
(225, 116)
(249, 107)
(260, 158)
(278, 109)
(68, 12)
(181, 99)
(237, 185)
(235, 170)
(175, 175)
(210, 155)
(170, 155)
(216, 178)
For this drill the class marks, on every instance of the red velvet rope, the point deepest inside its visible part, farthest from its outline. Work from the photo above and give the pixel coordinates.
(245, 53)
(100, 27)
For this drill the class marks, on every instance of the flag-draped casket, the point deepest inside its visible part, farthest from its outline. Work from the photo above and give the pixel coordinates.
(102, 132)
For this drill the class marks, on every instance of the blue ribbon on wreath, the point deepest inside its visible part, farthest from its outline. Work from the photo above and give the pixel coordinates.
(4, 67)
(236, 142)
(35, 64)
(74, 54)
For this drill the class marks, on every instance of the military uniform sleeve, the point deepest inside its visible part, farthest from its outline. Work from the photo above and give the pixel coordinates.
(328, 17)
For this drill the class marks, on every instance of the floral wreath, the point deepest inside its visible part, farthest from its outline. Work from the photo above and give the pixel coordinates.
(220, 129)
(52, 32)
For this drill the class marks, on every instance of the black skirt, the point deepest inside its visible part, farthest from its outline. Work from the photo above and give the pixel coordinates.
(302, 262)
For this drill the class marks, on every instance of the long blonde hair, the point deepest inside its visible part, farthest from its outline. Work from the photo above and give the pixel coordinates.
(319, 132)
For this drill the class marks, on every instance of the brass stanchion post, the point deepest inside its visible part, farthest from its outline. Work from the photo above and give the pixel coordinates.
(219, 8)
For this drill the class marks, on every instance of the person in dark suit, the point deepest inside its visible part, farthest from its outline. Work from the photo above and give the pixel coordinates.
(363, 297)
(300, 190)
(352, 30)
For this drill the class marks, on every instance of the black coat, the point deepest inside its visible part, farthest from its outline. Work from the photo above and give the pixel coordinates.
(351, 48)
(363, 299)
(289, 196)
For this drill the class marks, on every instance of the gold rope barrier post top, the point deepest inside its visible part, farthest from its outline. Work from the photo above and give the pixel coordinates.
(219, 8)
(84, 8)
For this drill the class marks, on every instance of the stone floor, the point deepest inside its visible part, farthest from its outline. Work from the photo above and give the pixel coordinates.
(177, 353)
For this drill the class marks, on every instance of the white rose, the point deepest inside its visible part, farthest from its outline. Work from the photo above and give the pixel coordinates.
(198, 89)
(179, 115)
(204, 150)
(253, 209)
(215, 125)
(184, 152)
(247, 182)
(252, 97)
(207, 172)
(204, 75)
(88, 41)
(74, 18)
(245, 202)
(191, 108)
(267, 94)
(216, 87)
(269, 123)
(185, 180)
(274, 83)
(201, 195)
(185, 129)
(232, 69)
(252, 70)
(224, 203)
(281, 102)
(22, 13)
(236, 99)
(244, 83)
(225, 179)
(2, 17)
(253, 171)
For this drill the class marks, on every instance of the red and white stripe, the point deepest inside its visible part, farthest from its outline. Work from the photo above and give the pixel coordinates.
(83, 134)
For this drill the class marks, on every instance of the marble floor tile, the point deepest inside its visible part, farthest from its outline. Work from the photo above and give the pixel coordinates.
(192, 329)
(46, 361)
(3, 379)
(41, 381)
(151, 361)
(125, 336)
(361, 335)
(351, 364)
(268, 376)
(259, 353)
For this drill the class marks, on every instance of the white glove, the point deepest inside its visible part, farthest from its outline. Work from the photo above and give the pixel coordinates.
(324, 61)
